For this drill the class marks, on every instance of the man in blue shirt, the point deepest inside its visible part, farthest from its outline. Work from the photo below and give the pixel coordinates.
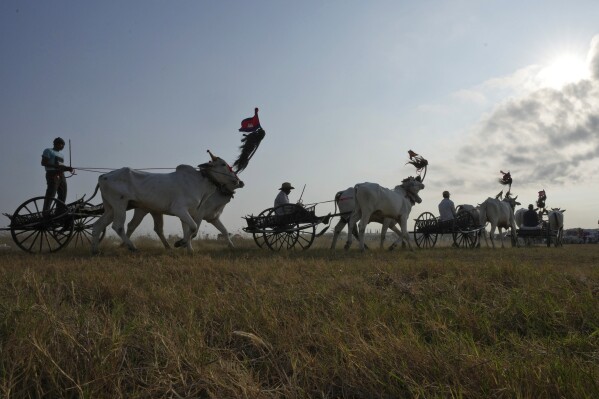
(53, 162)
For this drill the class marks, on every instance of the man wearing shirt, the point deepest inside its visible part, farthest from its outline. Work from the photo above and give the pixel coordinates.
(530, 219)
(53, 162)
(446, 208)
(283, 197)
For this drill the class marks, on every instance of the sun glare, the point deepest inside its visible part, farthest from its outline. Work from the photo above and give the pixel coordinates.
(563, 70)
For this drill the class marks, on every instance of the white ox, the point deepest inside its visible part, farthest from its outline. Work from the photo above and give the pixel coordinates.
(500, 214)
(182, 193)
(556, 224)
(213, 206)
(396, 204)
(346, 203)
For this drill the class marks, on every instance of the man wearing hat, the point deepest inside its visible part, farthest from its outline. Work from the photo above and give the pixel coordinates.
(283, 196)
(53, 162)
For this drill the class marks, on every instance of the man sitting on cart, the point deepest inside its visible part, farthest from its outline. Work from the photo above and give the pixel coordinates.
(530, 219)
(446, 209)
(282, 198)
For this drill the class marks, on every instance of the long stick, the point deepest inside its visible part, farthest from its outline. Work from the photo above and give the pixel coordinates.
(302, 194)
(70, 164)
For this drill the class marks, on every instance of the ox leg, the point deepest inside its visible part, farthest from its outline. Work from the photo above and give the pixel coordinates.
(491, 237)
(100, 226)
(362, 231)
(138, 216)
(223, 230)
(383, 235)
(514, 235)
(501, 236)
(118, 225)
(159, 228)
(190, 229)
(403, 236)
(337, 230)
(399, 234)
(355, 216)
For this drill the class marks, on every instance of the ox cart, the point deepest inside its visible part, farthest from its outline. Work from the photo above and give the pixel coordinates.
(36, 230)
(542, 232)
(465, 230)
(288, 226)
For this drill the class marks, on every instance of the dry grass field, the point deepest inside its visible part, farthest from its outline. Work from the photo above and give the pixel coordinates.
(249, 323)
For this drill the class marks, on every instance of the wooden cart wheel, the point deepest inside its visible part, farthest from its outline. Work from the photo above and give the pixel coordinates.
(465, 233)
(306, 234)
(36, 231)
(425, 230)
(288, 235)
(284, 236)
(82, 231)
(259, 238)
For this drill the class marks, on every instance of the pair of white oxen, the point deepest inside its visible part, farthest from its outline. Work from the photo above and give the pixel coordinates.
(190, 194)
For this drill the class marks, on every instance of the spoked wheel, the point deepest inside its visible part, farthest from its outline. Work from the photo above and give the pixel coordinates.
(82, 231)
(259, 238)
(425, 230)
(280, 238)
(37, 231)
(286, 236)
(306, 234)
(465, 234)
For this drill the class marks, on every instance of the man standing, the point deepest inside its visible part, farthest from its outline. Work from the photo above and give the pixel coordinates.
(446, 208)
(53, 162)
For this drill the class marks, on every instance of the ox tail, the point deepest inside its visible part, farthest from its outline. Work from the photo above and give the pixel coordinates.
(337, 196)
(95, 192)
(482, 217)
(357, 209)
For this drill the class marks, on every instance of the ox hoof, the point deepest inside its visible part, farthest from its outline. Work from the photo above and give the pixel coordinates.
(392, 247)
(180, 243)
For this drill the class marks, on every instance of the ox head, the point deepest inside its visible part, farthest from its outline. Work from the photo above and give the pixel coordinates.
(412, 185)
(221, 174)
(512, 201)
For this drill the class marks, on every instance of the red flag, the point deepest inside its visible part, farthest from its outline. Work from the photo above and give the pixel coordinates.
(249, 125)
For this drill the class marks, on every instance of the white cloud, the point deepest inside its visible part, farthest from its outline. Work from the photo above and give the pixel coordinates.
(539, 134)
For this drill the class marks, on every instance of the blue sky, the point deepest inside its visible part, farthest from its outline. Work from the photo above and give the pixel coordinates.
(345, 89)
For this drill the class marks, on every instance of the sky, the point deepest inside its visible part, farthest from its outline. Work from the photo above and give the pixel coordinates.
(344, 88)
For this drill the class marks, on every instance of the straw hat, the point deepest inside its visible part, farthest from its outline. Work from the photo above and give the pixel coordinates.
(286, 186)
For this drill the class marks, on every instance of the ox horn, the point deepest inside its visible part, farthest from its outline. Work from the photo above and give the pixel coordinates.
(214, 158)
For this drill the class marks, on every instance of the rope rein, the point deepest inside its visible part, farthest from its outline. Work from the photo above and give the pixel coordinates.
(103, 170)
